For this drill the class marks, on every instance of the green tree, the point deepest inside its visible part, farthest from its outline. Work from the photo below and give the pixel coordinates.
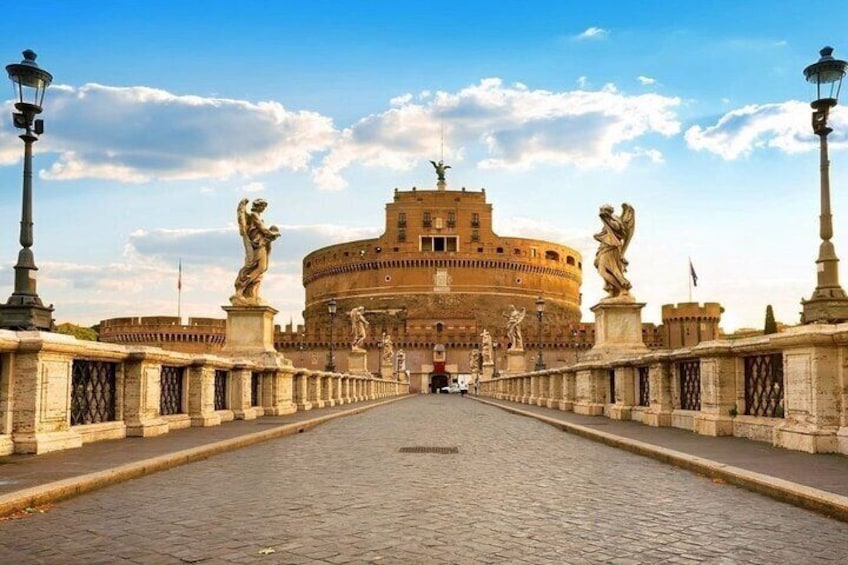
(771, 325)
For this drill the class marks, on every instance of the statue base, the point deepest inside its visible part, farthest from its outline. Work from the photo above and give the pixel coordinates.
(357, 362)
(387, 371)
(618, 329)
(516, 363)
(488, 371)
(250, 330)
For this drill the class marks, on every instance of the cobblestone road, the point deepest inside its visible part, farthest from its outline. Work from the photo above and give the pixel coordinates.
(518, 491)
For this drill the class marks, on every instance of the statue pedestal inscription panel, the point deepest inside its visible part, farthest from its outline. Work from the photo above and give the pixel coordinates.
(250, 330)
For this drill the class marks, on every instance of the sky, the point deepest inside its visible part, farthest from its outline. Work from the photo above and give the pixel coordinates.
(163, 115)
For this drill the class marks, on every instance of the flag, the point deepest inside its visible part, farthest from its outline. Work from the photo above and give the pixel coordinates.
(180, 276)
(693, 274)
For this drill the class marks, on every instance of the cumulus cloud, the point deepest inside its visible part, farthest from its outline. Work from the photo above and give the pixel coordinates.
(646, 81)
(137, 134)
(784, 126)
(514, 126)
(592, 33)
(140, 134)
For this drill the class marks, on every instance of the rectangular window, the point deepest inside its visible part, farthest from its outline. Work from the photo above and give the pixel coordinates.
(402, 220)
(427, 220)
(451, 219)
(533, 252)
(475, 220)
(401, 234)
(440, 244)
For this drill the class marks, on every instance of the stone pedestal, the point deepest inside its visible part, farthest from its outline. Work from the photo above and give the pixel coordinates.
(618, 329)
(387, 370)
(250, 330)
(357, 362)
(488, 371)
(515, 362)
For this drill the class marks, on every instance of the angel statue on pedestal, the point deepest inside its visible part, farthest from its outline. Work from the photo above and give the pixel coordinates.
(613, 240)
(257, 247)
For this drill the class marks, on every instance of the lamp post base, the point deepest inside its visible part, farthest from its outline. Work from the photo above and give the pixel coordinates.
(828, 305)
(26, 317)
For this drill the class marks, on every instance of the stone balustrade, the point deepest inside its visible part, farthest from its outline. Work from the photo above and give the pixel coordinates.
(789, 389)
(57, 392)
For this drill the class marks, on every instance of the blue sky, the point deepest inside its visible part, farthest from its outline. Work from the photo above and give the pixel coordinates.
(163, 115)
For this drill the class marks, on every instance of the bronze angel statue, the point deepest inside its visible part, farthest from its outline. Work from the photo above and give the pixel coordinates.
(613, 240)
(257, 247)
(440, 170)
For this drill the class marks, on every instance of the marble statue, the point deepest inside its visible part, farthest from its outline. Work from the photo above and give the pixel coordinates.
(513, 327)
(474, 360)
(358, 325)
(613, 240)
(486, 347)
(400, 359)
(257, 247)
(388, 349)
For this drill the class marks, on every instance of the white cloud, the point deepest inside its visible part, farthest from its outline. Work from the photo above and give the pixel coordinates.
(592, 33)
(253, 187)
(514, 127)
(646, 81)
(784, 126)
(582, 82)
(400, 100)
(137, 134)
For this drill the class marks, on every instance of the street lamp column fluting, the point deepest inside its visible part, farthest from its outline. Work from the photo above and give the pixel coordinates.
(829, 303)
(331, 361)
(540, 312)
(24, 309)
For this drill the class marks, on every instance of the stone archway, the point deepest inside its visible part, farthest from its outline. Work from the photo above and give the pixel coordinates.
(437, 381)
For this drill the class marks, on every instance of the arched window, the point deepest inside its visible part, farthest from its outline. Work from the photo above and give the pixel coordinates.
(551, 255)
(569, 260)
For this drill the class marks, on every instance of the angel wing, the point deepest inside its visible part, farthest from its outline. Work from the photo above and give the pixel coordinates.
(521, 317)
(241, 215)
(628, 222)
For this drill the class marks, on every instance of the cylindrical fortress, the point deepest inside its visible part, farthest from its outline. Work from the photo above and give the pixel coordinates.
(438, 265)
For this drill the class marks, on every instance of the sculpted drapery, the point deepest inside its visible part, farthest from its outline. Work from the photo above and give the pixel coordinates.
(257, 248)
(613, 240)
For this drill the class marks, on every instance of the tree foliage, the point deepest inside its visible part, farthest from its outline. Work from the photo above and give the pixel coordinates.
(78, 332)
(770, 325)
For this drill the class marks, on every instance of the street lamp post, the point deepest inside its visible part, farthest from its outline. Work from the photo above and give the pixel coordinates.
(24, 309)
(331, 361)
(829, 303)
(540, 311)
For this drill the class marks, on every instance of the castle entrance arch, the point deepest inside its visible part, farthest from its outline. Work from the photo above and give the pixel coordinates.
(437, 381)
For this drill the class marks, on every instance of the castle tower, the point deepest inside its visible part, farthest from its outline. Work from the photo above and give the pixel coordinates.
(688, 323)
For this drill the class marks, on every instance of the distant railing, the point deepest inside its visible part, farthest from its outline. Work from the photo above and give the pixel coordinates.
(764, 385)
(171, 399)
(689, 373)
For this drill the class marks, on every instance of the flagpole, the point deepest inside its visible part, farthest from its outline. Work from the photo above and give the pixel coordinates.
(689, 277)
(180, 291)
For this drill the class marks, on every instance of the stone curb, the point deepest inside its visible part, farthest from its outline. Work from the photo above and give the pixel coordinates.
(817, 500)
(68, 488)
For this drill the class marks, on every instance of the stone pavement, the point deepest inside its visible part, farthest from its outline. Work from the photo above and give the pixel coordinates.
(516, 491)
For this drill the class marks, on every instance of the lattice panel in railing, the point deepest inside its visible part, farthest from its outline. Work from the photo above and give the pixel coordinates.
(255, 382)
(644, 386)
(764, 385)
(92, 392)
(689, 373)
(171, 399)
(221, 389)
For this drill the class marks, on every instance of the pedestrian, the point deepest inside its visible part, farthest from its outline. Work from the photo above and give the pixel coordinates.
(463, 387)
(477, 387)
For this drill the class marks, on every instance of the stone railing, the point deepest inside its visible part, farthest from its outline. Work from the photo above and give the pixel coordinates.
(57, 392)
(789, 389)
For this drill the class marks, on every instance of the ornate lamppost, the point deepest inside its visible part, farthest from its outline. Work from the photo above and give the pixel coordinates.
(829, 303)
(331, 360)
(24, 309)
(540, 312)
